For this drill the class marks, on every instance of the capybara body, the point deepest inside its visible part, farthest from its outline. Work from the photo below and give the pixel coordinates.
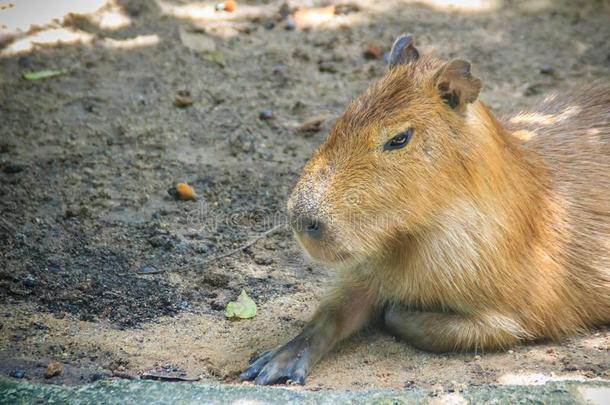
(458, 230)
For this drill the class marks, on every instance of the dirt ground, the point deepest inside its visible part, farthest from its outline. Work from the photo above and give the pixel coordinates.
(86, 159)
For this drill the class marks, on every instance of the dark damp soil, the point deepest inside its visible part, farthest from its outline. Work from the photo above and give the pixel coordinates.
(86, 160)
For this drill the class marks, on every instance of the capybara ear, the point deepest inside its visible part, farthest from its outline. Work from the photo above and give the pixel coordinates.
(403, 51)
(456, 85)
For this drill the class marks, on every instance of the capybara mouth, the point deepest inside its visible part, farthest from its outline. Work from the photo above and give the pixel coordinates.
(323, 252)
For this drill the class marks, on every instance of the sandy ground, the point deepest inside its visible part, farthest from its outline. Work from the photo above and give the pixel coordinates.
(86, 159)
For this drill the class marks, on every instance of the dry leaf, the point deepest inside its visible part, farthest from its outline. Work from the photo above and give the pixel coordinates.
(311, 126)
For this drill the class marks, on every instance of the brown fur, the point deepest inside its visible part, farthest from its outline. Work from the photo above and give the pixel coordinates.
(478, 233)
(482, 223)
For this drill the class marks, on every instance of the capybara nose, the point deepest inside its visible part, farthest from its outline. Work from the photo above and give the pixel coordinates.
(308, 226)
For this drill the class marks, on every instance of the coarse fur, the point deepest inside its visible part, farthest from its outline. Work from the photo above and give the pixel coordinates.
(478, 234)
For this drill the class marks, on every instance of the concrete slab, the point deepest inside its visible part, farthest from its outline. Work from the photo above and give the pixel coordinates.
(151, 392)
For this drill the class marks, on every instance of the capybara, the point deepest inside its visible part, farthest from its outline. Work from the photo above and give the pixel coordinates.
(458, 230)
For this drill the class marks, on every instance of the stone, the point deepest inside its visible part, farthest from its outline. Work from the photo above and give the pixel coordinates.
(53, 369)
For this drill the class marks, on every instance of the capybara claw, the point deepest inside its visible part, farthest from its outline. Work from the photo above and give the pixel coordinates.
(287, 363)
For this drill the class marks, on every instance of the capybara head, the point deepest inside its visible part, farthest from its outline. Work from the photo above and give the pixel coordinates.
(396, 158)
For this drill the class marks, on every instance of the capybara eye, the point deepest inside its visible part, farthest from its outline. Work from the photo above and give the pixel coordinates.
(399, 141)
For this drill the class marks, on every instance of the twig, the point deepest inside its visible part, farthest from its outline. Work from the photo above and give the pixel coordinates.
(125, 374)
(246, 245)
(8, 226)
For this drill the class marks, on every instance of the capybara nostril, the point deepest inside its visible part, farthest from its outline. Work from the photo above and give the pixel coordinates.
(314, 228)
(308, 226)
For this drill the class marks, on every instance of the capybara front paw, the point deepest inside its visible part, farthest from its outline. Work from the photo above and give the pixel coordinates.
(288, 362)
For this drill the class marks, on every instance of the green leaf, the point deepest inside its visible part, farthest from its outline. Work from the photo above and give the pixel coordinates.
(243, 308)
(43, 74)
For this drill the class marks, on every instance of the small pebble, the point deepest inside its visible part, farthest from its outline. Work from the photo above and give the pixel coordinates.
(17, 373)
(29, 281)
(266, 114)
(510, 352)
(53, 369)
(373, 52)
(547, 70)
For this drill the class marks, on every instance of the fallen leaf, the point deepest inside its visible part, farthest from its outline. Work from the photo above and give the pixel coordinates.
(373, 52)
(183, 99)
(43, 74)
(243, 308)
(311, 126)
